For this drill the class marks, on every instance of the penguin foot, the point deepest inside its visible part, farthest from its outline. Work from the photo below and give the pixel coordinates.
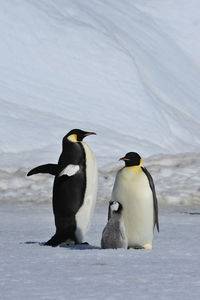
(51, 243)
(84, 243)
(68, 242)
(137, 247)
(147, 246)
(55, 241)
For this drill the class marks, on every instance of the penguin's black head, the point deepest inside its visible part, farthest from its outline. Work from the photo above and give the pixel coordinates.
(115, 207)
(77, 135)
(132, 159)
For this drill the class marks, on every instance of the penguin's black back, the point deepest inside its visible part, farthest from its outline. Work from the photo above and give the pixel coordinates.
(69, 191)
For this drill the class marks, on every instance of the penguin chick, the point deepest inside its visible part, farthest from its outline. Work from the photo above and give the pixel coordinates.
(114, 234)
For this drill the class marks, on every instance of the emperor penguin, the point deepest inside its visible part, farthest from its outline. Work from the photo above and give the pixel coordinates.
(114, 234)
(74, 188)
(134, 189)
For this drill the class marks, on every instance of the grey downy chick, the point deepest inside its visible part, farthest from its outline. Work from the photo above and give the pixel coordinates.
(114, 234)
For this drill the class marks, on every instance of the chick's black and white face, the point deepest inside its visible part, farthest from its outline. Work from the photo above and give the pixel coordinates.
(132, 159)
(115, 207)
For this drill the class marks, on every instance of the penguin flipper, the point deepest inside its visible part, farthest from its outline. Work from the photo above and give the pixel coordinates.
(48, 168)
(155, 201)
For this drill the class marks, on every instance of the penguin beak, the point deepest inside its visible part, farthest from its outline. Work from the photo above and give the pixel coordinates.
(124, 158)
(89, 133)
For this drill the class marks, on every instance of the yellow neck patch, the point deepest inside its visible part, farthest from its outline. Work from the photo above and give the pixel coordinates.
(72, 138)
(138, 167)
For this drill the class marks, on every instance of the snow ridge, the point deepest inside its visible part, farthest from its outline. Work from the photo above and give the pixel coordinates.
(176, 179)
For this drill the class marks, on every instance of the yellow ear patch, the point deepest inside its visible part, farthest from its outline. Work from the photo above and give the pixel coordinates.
(72, 138)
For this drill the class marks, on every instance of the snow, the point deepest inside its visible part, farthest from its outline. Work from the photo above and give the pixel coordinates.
(32, 271)
(176, 178)
(129, 71)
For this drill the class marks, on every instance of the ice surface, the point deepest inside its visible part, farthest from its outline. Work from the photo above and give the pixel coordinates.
(32, 271)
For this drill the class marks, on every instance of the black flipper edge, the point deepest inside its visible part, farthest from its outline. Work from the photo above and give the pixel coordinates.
(151, 183)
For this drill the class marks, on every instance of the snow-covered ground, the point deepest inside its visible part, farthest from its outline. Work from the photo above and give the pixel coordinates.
(32, 271)
(130, 71)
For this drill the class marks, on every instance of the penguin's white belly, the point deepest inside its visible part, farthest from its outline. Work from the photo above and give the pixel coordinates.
(132, 190)
(84, 215)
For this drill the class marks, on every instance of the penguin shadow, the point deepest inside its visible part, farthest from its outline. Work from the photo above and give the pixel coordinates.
(83, 246)
(33, 243)
(192, 213)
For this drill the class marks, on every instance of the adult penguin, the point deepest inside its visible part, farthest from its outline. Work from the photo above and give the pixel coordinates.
(74, 188)
(134, 189)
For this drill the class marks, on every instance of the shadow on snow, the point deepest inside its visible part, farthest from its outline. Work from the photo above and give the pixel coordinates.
(71, 247)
